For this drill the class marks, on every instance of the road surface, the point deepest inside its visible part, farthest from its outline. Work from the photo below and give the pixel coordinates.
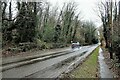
(49, 68)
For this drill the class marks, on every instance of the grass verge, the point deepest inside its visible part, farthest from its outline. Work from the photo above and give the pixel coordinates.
(88, 69)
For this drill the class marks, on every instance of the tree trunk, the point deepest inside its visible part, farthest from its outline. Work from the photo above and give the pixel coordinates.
(10, 12)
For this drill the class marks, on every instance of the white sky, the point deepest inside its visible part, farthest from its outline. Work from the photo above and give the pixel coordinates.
(86, 7)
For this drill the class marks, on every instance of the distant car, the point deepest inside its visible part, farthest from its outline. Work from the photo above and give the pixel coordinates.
(75, 45)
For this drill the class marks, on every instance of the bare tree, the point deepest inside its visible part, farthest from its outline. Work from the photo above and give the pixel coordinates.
(106, 13)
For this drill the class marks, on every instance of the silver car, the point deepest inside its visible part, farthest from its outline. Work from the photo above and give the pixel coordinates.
(75, 45)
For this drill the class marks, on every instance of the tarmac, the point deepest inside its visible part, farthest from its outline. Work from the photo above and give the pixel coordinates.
(32, 55)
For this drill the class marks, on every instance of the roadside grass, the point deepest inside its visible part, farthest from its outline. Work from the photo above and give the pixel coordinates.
(88, 69)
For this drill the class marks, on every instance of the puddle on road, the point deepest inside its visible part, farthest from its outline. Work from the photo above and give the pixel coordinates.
(76, 49)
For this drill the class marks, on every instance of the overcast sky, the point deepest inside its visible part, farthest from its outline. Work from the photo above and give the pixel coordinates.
(86, 7)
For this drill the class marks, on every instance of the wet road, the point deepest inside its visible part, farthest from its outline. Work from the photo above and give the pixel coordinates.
(49, 68)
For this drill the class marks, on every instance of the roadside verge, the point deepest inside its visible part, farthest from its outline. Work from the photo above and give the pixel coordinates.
(82, 65)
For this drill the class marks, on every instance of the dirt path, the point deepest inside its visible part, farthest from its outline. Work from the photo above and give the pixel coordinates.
(105, 72)
(111, 64)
